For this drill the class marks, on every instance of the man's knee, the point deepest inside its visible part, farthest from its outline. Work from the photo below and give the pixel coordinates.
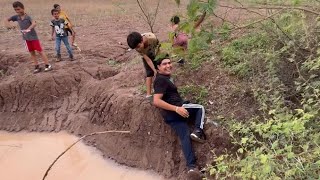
(33, 53)
(181, 128)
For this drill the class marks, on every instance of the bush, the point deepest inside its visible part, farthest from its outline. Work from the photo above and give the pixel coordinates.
(197, 94)
(283, 142)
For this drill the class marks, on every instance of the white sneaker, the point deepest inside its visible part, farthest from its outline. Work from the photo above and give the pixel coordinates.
(48, 68)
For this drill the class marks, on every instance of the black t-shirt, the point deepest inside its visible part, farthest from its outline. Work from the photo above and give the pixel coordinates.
(163, 85)
(59, 27)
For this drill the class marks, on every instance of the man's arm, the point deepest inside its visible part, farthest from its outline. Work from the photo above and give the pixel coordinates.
(33, 25)
(70, 27)
(158, 102)
(198, 23)
(150, 63)
(7, 22)
(68, 19)
(52, 33)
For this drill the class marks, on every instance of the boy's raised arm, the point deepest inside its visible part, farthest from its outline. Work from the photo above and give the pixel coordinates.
(7, 22)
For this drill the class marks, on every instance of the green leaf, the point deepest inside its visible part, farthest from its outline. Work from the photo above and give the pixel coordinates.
(263, 158)
(244, 140)
(266, 169)
(240, 150)
(290, 155)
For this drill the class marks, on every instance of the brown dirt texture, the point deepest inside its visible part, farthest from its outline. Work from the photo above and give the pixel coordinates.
(101, 89)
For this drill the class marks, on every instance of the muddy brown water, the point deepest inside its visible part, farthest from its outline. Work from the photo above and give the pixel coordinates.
(26, 156)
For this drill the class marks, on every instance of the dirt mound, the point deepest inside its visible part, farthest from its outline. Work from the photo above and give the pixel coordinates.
(85, 99)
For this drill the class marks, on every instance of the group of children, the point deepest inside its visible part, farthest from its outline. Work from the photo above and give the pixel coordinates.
(61, 27)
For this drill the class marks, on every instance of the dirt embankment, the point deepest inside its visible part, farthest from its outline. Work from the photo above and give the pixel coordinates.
(84, 100)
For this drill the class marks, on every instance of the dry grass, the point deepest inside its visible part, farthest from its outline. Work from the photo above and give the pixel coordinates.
(82, 11)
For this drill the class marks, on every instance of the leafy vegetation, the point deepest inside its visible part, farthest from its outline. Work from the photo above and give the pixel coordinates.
(200, 41)
(280, 59)
(196, 94)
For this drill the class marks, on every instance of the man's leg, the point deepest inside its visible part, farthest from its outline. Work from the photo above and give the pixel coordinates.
(34, 58)
(182, 130)
(44, 57)
(58, 44)
(197, 112)
(66, 43)
(37, 68)
(73, 38)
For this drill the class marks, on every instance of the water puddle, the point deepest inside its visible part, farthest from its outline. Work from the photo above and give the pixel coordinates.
(26, 156)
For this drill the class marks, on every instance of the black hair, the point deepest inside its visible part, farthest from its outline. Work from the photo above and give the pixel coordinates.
(18, 4)
(158, 60)
(134, 39)
(175, 19)
(54, 10)
(55, 6)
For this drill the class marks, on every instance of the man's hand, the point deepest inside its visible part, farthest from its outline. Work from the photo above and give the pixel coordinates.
(25, 31)
(182, 112)
(52, 38)
(154, 74)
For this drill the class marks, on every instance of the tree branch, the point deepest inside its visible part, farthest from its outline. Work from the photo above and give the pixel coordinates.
(255, 22)
(85, 136)
(150, 18)
(273, 7)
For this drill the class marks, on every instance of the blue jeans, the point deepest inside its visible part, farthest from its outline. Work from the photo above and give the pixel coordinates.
(180, 126)
(66, 43)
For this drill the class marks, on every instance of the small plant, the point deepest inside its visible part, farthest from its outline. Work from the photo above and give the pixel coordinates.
(197, 94)
(143, 89)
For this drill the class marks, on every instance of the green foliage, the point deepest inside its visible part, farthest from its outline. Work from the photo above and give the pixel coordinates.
(143, 89)
(198, 94)
(280, 58)
(239, 54)
(200, 42)
(285, 2)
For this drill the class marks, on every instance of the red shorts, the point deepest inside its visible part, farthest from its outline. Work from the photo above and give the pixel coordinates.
(33, 45)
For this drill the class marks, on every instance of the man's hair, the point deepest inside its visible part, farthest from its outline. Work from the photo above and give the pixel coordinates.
(158, 60)
(134, 39)
(18, 4)
(55, 6)
(175, 19)
(54, 10)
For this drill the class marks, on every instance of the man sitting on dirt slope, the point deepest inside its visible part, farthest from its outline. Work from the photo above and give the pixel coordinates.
(175, 111)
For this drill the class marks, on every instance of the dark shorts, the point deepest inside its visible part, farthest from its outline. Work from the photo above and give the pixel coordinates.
(149, 71)
(69, 31)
